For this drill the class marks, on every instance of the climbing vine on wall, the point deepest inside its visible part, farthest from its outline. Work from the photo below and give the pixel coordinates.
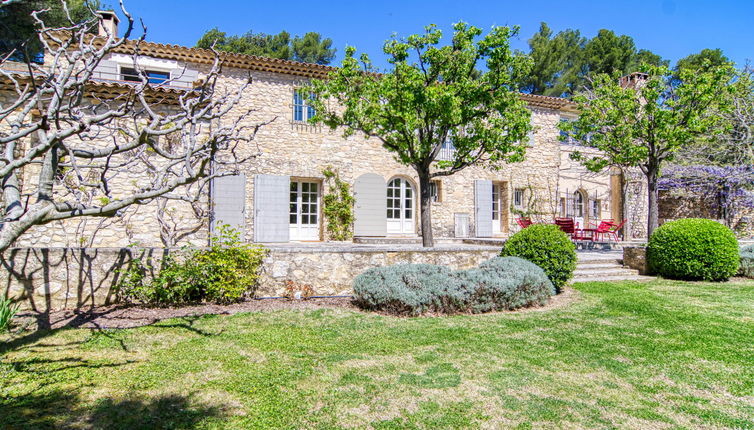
(338, 206)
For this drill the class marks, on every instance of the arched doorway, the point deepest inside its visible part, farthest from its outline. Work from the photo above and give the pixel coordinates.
(400, 207)
(579, 208)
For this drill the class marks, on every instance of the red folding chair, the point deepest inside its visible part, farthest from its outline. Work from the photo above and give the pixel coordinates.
(568, 226)
(524, 222)
(614, 229)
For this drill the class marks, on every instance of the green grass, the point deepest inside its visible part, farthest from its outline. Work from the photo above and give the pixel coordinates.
(622, 355)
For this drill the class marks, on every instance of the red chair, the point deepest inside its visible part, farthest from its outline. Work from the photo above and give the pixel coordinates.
(524, 222)
(613, 230)
(603, 228)
(568, 226)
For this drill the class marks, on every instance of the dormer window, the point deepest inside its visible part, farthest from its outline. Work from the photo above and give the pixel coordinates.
(130, 74)
(303, 111)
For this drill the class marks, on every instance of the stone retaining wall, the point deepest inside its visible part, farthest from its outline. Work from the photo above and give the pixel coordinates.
(45, 279)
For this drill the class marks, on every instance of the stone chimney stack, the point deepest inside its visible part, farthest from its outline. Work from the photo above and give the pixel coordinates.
(634, 80)
(108, 23)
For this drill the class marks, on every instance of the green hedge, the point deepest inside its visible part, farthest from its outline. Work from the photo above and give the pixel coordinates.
(693, 249)
(414, 289)
(747, 261)
(547, 247)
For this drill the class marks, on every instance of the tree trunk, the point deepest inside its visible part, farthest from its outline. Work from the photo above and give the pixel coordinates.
(425, 208)
(653, 220)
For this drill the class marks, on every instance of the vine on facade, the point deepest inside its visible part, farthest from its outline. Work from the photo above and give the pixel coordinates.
(338, 206)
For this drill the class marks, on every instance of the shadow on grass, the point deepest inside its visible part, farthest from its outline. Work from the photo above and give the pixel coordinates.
(58, 409)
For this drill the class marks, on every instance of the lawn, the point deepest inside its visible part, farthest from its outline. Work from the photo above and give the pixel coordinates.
(622, 355)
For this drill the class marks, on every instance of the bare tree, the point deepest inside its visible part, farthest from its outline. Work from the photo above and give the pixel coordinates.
(74, 147)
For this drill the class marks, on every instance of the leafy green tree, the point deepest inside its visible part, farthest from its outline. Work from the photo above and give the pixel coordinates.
(310, 48)
(705, 59)
(564, 62)
(18, 28)
(259, 44)
(554, 61)
(313, 49)
(644, 123)
(461, 93)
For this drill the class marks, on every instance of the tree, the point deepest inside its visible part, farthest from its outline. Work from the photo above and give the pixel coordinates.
(70, 151)
(310, 48)
(644, 122)
(432, 95)
(705, 59)
(18, 36)
(563, 63)
(554, 59)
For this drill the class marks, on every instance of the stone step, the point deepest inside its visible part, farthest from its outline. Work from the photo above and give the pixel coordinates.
(598, 273)
(612, 278)
(598, 265)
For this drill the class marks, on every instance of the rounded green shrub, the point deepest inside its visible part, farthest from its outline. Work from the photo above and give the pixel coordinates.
(413, 289)
(747, 261)
(547, 247)
(693, 249)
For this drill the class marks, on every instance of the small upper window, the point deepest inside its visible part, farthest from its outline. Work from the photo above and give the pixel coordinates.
(594, 209)
(518, 198)
(435, 191)
(153, 76)
(302, 109)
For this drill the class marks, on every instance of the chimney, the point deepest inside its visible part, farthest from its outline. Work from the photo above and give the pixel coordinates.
(634, 80)
(108, 23)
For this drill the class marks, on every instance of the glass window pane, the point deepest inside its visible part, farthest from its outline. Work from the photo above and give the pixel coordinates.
(313, 187)
(408, 213)
(312, 219)
(304, 219)
(390, 214)
(292, 219)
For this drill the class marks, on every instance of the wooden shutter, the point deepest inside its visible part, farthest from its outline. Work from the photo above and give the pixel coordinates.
(271, 200)
(370, 208)
(106, 70)
(229, 202)
(183, 77)
(483, 208)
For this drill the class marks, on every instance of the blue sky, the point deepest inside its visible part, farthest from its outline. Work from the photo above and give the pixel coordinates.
(671, 28)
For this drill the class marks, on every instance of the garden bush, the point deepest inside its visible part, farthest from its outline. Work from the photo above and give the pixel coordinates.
(547, 247)
(223, 273)
(747, 261)
(408, 289)
(413, 289)
(505, 283)
(693, 249)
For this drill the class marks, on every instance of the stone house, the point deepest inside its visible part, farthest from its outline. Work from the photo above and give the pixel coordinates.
(278, 195)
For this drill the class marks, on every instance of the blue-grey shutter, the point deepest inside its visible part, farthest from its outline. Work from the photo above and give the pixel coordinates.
(183, 77)
(229, 202)
(271, 201)
(106, 70)
(370, 208)
(483, 208)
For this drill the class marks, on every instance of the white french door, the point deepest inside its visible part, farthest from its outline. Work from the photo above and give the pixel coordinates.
(400, 207)
(304, 211)
(497, 208)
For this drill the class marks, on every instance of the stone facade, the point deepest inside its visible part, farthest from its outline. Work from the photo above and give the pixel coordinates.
(302, 151)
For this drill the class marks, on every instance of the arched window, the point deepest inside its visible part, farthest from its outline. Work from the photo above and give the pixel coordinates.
(578, 204)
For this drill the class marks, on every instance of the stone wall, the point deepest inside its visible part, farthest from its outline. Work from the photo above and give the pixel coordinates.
(673, 206)
(44, 279)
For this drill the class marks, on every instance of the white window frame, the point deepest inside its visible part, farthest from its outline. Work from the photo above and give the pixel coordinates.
(519, 195)
(435, 191)
(144, 69)
(307, 110)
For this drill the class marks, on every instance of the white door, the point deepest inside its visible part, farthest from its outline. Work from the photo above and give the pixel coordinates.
(497, 208)
(304, 210)
(400, 207)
